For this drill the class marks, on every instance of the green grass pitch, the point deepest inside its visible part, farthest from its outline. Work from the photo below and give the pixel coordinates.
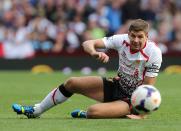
(27, 88)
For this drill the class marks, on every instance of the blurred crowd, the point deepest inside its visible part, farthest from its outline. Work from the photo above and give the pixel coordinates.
(30, 26)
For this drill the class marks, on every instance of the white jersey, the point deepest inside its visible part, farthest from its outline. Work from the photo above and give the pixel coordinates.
(134, 66)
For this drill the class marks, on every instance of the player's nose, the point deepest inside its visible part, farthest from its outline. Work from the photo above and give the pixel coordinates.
(136, 39)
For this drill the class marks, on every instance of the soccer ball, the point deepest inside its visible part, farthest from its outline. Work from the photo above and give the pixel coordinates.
(145, 99)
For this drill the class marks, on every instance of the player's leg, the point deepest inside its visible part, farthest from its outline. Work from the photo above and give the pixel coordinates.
(53, 98)
(113, 106)
(90, 86)
(115, 109)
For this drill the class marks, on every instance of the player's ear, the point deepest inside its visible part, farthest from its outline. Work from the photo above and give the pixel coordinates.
(146, 34)
(129, 34)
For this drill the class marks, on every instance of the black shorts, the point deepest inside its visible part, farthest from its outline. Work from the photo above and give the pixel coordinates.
(113, 92)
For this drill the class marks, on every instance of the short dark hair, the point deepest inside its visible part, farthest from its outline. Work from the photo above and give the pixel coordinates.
(139, 25)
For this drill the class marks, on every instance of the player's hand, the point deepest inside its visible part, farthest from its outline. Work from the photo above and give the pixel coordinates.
(138, 117)
(101, 56)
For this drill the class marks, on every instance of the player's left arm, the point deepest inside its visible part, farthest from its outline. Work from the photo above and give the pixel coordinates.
(153, 67)
(137, 117)
(152, 70)
(149, 80)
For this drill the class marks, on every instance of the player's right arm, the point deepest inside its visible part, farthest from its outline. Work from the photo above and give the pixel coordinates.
(90, 47)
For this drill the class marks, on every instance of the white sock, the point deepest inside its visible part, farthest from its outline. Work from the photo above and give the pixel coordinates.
(53, 98)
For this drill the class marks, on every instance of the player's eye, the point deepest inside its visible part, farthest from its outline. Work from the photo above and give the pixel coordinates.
(133, 36)
(140, 36)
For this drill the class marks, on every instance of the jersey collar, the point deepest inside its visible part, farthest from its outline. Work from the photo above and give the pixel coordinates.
(133, 52)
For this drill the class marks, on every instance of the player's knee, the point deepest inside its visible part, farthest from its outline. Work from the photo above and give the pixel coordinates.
(70, 83)
(93, 112)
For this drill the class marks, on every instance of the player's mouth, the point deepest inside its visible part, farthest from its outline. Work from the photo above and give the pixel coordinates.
(135, 46)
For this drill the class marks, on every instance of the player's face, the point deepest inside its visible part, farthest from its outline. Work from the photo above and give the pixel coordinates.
(137, 40)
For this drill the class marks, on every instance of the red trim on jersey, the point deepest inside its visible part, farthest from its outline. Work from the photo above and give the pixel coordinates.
(147, 58)
(126, 43)
(53, 96)
(144, 72)
(133, 52)
(144, 45)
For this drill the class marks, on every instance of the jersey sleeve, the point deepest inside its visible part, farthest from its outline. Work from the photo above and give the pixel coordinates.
(154, 63)
(115, 41)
